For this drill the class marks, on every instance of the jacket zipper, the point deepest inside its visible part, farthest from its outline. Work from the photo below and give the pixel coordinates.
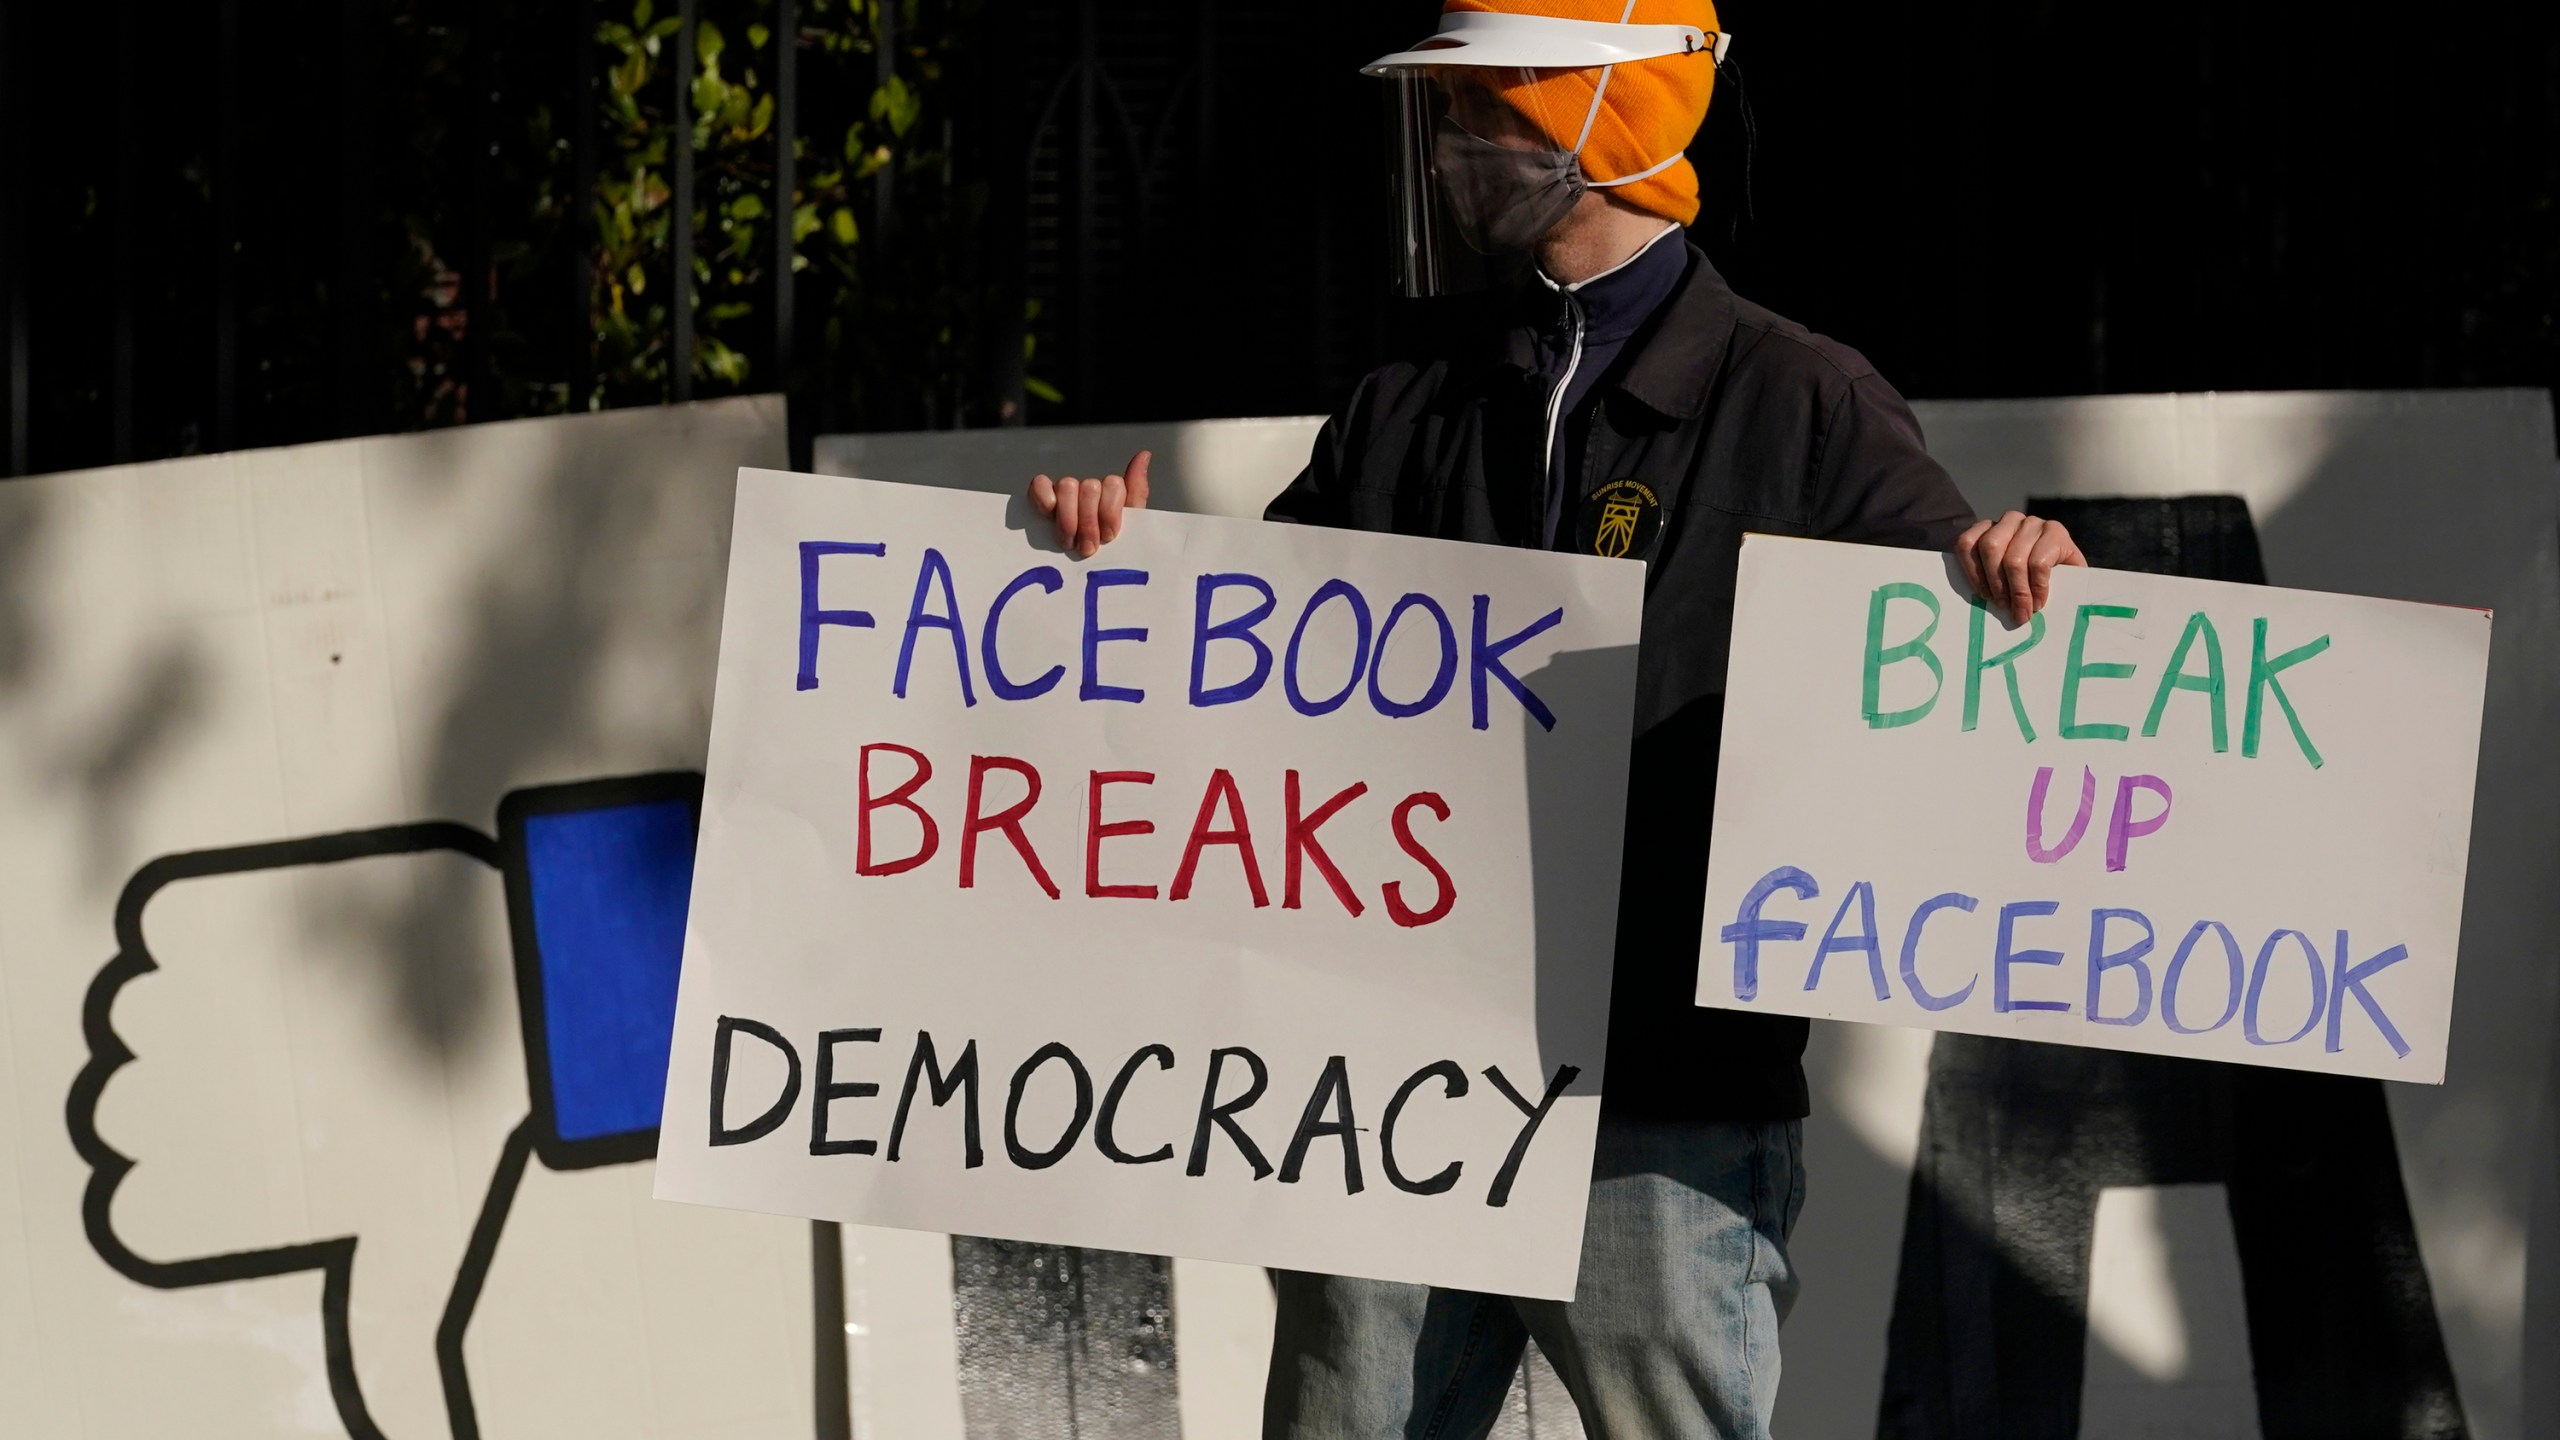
(1555, 406)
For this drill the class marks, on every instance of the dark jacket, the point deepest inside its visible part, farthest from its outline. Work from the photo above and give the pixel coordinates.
(1719, 418)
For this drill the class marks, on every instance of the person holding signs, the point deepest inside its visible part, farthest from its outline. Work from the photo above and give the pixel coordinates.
(1604, 391)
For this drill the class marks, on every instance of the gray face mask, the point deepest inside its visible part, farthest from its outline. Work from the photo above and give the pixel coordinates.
(1503, 201)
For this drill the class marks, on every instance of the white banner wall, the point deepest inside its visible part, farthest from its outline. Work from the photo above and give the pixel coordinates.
(233, 650)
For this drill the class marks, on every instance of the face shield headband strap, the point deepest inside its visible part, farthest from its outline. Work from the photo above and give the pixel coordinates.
(1592, 116)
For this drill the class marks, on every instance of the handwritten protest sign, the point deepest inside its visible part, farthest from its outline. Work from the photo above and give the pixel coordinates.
(2174, 816)
(1247, 892)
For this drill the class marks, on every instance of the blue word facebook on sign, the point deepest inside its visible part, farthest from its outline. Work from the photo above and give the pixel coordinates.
(600, 877)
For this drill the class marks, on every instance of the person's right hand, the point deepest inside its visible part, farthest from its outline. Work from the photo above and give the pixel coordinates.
(1088, 512)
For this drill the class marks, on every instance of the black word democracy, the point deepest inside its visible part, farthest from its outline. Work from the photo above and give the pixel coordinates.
(1235, 1080)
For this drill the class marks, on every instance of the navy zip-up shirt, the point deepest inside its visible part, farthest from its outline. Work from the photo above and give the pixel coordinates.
(1589, 326)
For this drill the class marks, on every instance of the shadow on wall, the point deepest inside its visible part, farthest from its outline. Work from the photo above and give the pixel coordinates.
(113, 765)
(110, 758)
(556, 653)
(2415, 497)
(2391, 508)
(22, 527)
(1991, 1309)
(2019, 1139)
(2403, 505)
(527, 680)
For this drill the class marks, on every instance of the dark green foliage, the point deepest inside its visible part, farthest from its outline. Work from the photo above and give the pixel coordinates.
(419, 244)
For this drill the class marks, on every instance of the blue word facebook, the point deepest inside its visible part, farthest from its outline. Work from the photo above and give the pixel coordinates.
(2107, 966)
(1229, 612)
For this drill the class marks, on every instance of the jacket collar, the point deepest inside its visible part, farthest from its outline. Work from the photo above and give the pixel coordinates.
(1618, 301)
(1670, 366)
(1675, 360)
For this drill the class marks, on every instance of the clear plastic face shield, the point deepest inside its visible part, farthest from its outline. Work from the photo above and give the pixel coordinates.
(1490, 116)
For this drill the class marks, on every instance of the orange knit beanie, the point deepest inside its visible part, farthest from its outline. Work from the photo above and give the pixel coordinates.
(1652, 109)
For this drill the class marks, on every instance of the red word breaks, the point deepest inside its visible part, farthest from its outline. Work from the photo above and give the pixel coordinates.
(895, 777)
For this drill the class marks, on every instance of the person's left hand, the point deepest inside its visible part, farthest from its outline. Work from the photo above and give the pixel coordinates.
(1088, 512)
(2010, 560)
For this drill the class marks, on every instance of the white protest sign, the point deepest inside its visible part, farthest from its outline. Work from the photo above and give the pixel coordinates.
(2175, 816)
(1246, 892)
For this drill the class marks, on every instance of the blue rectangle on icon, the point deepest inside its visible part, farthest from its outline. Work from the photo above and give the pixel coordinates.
(609, 888)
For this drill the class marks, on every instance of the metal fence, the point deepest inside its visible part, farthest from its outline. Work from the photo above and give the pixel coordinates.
(246, 224)
(243, 224)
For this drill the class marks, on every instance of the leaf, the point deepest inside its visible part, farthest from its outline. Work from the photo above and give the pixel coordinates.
(641, 12)
(708, 42)
(635, 277)
(842, 226)
(1040, 389)
(710, 357)
(757, 34)
(896, 103)
(804, 223)
(749, 206)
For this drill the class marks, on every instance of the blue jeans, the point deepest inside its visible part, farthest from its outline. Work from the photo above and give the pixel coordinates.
(1672, 1333)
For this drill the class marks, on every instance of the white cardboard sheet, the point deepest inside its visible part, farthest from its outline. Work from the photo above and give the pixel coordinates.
(1381, 1050)
(2262, 862)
